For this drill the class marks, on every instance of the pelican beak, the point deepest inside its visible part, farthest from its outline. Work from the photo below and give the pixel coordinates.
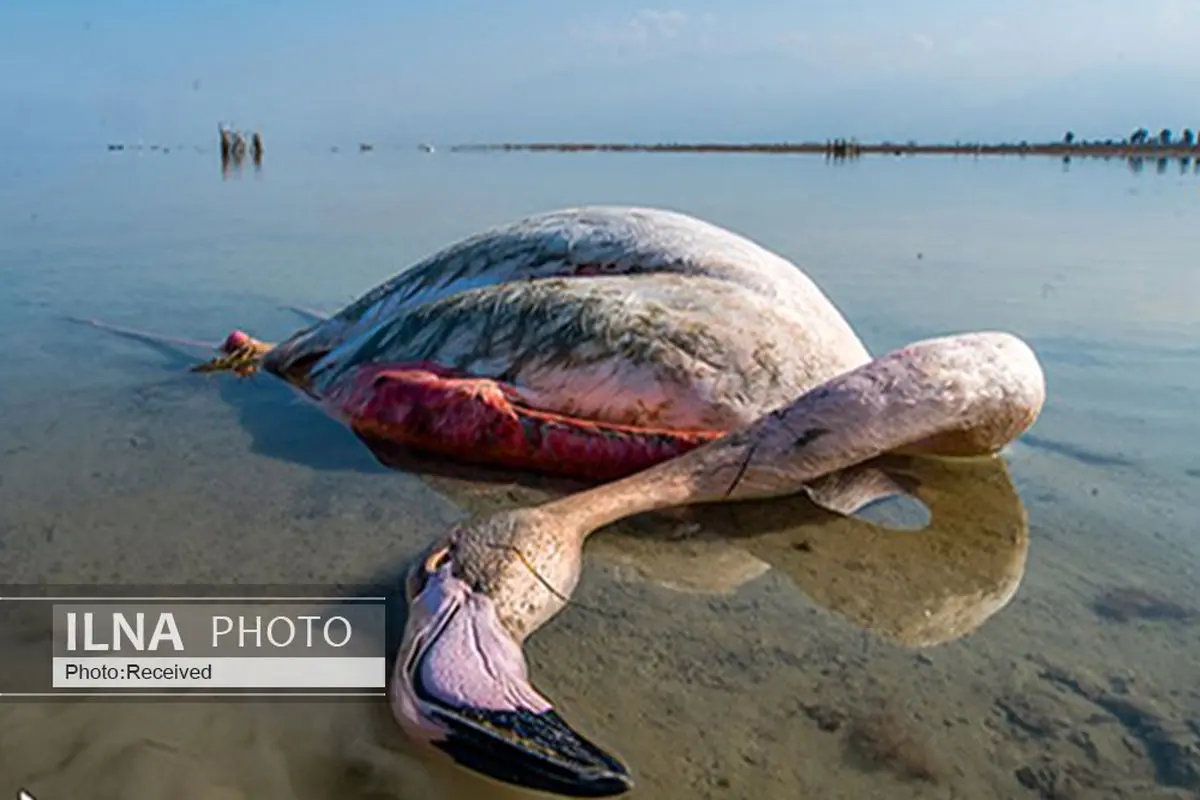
(461, 684)
(533, 750)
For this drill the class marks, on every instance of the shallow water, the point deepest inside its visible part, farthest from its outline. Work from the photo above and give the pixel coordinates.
(768, 651)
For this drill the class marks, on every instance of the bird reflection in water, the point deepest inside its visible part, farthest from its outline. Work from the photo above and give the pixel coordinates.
(916, 586)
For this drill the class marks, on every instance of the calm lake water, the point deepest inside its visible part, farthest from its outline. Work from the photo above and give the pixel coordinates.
(1039, 641)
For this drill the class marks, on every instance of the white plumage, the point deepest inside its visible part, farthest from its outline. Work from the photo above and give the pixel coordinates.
(622, 314)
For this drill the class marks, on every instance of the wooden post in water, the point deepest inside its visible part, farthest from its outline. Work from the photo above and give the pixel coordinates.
(234, 146)
(226, 143)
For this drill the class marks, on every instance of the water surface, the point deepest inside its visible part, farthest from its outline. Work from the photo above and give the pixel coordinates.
(1017, 649)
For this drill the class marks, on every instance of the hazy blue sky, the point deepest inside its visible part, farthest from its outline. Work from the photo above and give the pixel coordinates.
(454, 70)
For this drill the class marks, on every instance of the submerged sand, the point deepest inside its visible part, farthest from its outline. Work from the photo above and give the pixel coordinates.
(768, 651)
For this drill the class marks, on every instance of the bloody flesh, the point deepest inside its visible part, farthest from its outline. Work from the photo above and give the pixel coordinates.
(431, 409)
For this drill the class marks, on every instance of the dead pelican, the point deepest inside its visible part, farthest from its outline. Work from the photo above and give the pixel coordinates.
(676, 359)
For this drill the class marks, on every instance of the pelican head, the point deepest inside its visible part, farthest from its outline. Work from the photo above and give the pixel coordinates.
(460, 682)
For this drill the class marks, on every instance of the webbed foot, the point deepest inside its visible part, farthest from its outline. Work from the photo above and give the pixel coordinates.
(241, 354)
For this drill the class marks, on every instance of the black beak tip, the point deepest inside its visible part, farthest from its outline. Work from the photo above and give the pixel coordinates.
(535, 751)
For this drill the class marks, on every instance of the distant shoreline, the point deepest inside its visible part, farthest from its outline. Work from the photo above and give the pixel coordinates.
(844, 149)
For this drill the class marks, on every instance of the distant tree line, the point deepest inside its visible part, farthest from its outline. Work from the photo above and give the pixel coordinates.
(1142, 137)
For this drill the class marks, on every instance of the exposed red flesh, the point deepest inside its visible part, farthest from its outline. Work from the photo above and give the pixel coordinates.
(432, 409)
(236, 340)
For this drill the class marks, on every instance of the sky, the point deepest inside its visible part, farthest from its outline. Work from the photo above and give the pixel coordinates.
(457, 71)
